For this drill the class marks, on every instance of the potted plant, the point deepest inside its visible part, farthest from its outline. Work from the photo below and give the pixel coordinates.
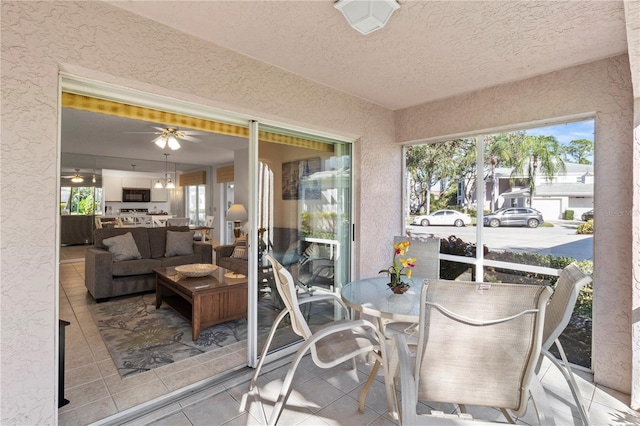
(401, 267)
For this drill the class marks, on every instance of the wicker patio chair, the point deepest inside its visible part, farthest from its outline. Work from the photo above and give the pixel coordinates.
(333, 344)
(478, 344)
(558, 315)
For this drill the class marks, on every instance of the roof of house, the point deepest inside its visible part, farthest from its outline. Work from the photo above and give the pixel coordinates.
(566, 189)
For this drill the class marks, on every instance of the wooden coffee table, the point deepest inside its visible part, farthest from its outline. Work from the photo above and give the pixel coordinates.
(203, 301)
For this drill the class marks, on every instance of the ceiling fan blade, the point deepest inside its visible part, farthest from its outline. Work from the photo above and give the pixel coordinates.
(190, 139)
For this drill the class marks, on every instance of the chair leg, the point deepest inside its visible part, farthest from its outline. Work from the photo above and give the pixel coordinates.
(367, 385)
(565, 369)
(286, 386)
(541, 403)
(253, 385)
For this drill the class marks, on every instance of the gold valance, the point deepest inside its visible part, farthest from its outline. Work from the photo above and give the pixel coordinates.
(193, 178)
(103, 106)
(225, 174)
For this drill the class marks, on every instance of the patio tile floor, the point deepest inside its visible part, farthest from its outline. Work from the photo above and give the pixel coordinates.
(320, 397)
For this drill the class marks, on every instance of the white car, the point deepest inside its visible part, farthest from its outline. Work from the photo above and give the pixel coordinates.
(443, 217)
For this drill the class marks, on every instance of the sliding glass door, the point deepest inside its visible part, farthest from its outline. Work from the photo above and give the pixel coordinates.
(303, 219)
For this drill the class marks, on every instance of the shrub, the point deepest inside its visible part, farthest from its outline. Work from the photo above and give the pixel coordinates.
(568, 214)
(451, 270)
(586, 228)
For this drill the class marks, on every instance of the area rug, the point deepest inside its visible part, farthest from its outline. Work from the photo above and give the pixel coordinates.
(140, 337)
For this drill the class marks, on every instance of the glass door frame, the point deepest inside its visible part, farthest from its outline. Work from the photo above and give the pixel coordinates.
(253, 351)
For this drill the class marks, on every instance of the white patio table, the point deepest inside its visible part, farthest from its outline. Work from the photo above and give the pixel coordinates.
(373, 297)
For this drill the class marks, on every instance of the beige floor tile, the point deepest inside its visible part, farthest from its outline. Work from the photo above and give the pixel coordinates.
(85, 394)
(202, 395)
(244, 419)
(176, 367)
(176, 419)
(186, 377)
(89, 413)
(345, 412)
(78, 357)
(316, 394)
(219, 409)
(78, 376)
(344, 377)
(107, 367)
(117, 384)
(139, 394)
(160, 416)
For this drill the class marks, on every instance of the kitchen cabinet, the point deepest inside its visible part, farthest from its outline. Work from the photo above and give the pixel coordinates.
(159, 195)
(141, 183)
(112, 188)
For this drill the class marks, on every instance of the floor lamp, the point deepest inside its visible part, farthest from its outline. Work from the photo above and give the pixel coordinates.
(237, 214)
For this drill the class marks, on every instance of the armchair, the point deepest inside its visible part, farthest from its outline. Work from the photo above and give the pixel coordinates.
(478, 344)
(331, 345)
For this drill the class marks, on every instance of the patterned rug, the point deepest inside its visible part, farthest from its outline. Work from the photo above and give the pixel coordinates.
(140, 337)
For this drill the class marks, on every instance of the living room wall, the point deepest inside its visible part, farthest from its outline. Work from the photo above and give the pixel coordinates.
(601, 88)
(97, 41)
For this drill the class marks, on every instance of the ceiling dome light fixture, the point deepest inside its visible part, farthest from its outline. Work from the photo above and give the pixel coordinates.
(367, 16)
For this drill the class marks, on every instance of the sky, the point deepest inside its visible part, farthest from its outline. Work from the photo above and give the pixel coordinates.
(567, 132)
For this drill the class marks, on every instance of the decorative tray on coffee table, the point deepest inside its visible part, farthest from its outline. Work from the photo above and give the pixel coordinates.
(196, 269)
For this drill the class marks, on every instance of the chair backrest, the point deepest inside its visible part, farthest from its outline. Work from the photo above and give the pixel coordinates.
(287, 290)
(427, 254)
(159, 221)
(563, 300)
(178, 221)
(478, 343)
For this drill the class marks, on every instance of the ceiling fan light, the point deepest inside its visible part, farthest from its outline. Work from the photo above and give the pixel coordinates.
(161, 141)
(77, 179)
(173, 142)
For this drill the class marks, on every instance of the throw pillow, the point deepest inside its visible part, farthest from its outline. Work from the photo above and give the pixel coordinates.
(239, 252)
(179, 243)
(122, 247)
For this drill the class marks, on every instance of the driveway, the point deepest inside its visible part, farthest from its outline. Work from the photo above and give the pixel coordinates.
(559, 240)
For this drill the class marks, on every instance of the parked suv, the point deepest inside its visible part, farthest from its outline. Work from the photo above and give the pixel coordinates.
(587, 215)
(514, 216)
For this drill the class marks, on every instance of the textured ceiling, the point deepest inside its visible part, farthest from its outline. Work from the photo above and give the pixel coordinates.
(429, 49)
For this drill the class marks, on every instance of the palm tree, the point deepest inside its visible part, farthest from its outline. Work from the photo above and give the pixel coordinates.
(520, 152)
(542, 153)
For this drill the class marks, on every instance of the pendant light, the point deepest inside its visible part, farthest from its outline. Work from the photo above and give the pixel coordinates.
(167, 178)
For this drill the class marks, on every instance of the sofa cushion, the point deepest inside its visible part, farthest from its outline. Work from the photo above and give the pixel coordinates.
(140, 235)
(179, 243)
(122, 247)
(135, 267)
(239, 252)
(158, 239)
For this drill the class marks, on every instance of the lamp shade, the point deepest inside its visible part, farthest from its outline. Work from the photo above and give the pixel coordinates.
(237, 213)
(367, 16)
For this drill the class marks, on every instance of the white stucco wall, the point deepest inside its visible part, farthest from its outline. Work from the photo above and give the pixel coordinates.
(604, 89)
(97, 41)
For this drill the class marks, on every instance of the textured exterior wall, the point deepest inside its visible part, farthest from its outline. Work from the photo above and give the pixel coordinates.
(95, 40)
(632, 21)
(602, 88)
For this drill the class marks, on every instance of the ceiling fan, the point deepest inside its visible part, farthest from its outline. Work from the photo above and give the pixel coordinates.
(171, 136)
(75, 178)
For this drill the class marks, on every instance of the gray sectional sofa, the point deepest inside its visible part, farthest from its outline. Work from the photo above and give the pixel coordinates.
(105, 278)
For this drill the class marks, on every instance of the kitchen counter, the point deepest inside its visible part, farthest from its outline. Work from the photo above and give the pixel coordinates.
(76, 229)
